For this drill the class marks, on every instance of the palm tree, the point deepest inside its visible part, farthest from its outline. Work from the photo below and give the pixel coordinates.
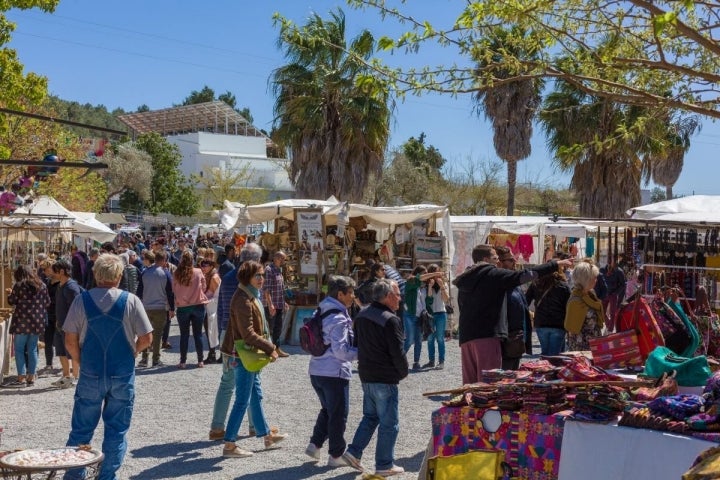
(601, 142)
(667, 164)
(330, 111)
(509, 106)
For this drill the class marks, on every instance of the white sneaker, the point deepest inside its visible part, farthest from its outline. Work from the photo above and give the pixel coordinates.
(394, 470)
(312, 451)
(64, 382)
(337, 461)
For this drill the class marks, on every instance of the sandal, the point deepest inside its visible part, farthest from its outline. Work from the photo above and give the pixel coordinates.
(201, 364)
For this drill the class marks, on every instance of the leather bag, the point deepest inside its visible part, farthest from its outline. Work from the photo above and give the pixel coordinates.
(616, 350)
(253, 359)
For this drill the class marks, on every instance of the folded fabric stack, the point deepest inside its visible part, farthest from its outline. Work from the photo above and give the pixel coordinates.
(544, 399)
(497, 376)
(510, 397)
(541, 368)
(599, 403)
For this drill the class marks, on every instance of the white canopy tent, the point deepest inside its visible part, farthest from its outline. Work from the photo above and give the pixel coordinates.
(468, 231)
(697, 205)
(82, 224)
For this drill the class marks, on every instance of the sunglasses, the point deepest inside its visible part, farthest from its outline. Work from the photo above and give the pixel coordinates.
(258, 276)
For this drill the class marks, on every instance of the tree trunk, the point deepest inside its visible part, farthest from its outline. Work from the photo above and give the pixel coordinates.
(511, 179)
(668, 192)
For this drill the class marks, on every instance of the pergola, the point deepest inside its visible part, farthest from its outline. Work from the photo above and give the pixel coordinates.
(212, 117)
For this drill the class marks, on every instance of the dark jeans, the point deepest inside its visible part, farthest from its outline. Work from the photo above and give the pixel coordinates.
(191, 316)
(275, 322)
(49, 339)
(334, 395)
(166, 331)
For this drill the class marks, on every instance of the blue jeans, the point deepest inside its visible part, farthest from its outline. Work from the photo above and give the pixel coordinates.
(438, 336)
(29, 341)
(224, 392)
(248, 393)
(380, 410)
(334, 395)
(191, 316)
(413, 335)
(552, 340)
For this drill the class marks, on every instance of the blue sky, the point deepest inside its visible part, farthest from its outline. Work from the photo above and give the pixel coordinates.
(133, 52)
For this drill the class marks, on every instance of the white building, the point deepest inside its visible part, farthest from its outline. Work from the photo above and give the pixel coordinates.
(212, 135)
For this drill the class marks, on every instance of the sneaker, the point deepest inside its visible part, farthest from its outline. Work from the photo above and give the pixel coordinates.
(73, 382)
(236, 452)
(441, 365)
(312, 451)
(272, 440)
(416, 366)
(58, 383)
(353, 461)
(65, 382)
(216, 434)
(337, 461)
(430, 364)
(143, 363)
(394, 470)
(158, 364)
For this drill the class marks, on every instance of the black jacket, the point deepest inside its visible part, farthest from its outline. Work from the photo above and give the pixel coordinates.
(481, 290)
(380, 339)
(551, 311)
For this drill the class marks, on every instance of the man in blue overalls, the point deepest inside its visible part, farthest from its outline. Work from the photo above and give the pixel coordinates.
(105, 328)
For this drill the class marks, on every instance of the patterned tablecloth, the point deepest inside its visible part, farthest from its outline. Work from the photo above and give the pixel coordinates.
(531, 442)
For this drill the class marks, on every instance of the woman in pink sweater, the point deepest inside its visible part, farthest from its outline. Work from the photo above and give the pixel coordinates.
(189, 287)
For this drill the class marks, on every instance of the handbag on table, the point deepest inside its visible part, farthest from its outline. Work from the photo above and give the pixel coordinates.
(618, 350)
(691, 372)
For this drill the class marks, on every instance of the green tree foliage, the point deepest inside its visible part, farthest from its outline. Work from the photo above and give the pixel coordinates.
(95, 115)
(420, 155)
(657, 195)
(76, 189)
(331, 112)
(17, 89)
(219, 184)
(207, 94)
(661, 46)
(170, 191)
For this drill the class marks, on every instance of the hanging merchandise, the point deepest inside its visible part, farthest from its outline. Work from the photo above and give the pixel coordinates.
(589, 246)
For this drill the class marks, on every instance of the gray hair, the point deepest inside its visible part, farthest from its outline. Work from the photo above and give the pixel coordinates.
(584, 273)
(93, 252)
(382, 288)
(251, 251)
(339, 283)
(108, 268)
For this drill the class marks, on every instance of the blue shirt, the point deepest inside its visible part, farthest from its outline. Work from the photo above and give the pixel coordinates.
(228, 285)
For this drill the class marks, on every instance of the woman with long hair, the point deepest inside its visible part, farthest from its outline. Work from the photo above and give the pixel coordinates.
(189, 289)
(584, 313)
(248, 323)
(550, 294)
(29, 296)
(212, 283)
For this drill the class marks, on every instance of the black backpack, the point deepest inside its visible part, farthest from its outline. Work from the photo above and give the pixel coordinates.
(311, 333)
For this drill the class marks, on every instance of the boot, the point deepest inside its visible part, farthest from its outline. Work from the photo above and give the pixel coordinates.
(211, 357)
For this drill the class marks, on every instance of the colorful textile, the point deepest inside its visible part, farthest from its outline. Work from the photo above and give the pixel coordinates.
(531, 442)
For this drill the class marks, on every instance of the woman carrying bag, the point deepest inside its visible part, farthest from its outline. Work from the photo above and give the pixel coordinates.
(248, 323)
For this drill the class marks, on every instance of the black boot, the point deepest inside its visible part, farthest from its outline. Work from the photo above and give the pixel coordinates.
(211, 358)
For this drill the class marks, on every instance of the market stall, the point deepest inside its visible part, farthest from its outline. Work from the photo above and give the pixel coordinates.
(331, 237)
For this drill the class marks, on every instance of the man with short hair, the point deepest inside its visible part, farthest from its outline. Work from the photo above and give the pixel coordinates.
(155, 291)
(227, 263)
(107, 327)
(65, 294)
(89, 278)
(381, 366)
(273, 295)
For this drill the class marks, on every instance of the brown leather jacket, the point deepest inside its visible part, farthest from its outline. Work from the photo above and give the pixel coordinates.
(246, 322)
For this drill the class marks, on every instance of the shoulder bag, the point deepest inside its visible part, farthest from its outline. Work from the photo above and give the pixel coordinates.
(252, 358)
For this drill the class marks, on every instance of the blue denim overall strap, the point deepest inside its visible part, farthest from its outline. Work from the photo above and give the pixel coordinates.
(105, 342)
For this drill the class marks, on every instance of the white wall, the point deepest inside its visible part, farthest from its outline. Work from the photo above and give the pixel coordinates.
(201, 150)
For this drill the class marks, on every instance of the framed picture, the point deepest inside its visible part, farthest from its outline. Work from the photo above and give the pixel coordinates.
(310, 231)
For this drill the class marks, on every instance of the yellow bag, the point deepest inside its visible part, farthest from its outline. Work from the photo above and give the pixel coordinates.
(706, 466)
(475, 464)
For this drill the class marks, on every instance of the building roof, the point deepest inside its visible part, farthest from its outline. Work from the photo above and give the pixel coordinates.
(212, 117)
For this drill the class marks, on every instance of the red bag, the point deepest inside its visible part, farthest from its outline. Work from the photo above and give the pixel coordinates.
(616, 350)
(579, 369)
(636, 315)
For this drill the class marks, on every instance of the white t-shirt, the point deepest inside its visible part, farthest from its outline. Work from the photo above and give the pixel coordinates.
(135, 320)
